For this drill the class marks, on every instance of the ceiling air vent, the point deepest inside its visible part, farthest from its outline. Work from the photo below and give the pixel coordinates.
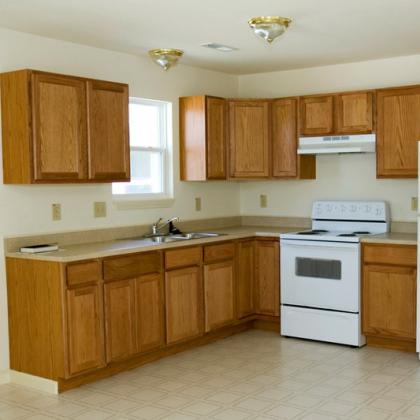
(219, 47)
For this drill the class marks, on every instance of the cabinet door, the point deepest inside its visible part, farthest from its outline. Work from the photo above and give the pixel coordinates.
(249, 139)
(316, 115)
(109, 149)
(216, 138)
(284, 112)
(389, 301)
(219, 294)
(398, 131)
(245, 279)
(267, 277)
(354, 113)
(184, 304)
(59, 128)
(150, 312)
(86, 347)
(120, 319)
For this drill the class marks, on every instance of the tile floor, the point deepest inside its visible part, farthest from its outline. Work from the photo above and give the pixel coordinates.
(253, 375)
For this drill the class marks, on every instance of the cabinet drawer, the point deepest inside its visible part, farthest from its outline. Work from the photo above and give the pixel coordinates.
(131, 266)
(83, 273)
(390, 254)
(183, 257)
(219, 252)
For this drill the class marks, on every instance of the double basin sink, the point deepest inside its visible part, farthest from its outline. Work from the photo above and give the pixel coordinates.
(160, 239)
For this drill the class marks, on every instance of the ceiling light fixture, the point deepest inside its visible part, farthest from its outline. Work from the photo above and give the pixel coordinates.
(219, 47)
(269, 27)
(165, 57)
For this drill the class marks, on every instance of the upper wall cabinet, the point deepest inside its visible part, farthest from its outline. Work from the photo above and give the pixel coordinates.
(64, 129)
(398, 131)
(342, 113)
(316, 115)
(286, 163)
(203, 128)
(249, 124)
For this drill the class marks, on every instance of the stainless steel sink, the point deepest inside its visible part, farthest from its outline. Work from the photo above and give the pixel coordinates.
(160, 239)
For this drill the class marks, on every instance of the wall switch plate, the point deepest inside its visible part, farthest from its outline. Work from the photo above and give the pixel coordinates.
(99, 209)
(56, 211)
(197, 203)
(414, 203)
(263, 200)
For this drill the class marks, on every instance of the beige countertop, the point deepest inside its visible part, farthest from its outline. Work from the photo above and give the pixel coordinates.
(126, 246)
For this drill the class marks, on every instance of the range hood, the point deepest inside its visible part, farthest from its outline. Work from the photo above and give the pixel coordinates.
(360, 143)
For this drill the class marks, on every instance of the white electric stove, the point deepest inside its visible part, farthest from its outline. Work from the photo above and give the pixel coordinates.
(320, 271)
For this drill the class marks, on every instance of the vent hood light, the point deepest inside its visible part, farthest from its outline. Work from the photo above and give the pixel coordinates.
(361, 143)
(219, 47)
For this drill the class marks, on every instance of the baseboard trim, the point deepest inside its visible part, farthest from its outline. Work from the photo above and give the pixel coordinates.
(36, 382)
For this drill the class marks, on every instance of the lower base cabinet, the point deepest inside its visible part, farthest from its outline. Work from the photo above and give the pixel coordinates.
(389, 294)
(184, 304)
(245, 270)
(219, 292)
(85, 329)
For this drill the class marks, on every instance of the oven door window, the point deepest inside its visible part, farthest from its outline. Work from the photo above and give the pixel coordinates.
(318, 268)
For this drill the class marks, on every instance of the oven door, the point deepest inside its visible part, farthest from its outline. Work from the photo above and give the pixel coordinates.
(318, 274)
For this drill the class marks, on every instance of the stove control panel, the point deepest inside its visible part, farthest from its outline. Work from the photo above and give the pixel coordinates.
(351, 210)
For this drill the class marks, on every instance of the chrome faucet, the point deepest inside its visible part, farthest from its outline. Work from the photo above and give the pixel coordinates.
(158, 226)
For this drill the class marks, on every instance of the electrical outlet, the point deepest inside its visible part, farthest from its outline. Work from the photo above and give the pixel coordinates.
(99, 209)
(263, 200)
(414, 203)
(56, 211)
(197, 203)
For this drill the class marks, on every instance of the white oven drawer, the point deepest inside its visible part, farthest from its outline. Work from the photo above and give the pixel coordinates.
(320, 275)
(316, 324)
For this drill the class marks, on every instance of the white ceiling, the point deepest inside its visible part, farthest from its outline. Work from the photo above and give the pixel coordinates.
(323, 31)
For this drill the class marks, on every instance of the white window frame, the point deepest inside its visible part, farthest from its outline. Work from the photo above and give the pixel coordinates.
(164, 198)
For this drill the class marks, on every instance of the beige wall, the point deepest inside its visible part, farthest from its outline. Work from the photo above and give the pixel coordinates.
(338, 176)
(27, 209)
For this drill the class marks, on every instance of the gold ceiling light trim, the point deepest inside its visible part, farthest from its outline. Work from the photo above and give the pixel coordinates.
(269, 27)
(166, 57)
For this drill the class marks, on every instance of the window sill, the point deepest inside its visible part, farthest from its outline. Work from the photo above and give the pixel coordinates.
(132, 202)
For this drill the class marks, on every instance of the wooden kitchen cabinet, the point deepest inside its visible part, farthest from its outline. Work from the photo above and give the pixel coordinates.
(389, 295)
(219, 285)
(316, 115)
(286, 163)
(245, 278)
(249, 125)
(203, 138)
(354, 113)
(120, 319)
(398, 132)
(63, 129)
(85, 329)
(267, 277)
(184, 304)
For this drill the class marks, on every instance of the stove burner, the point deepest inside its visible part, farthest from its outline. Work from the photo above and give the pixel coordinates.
(312, 232)
(347, 235)
(361, 232)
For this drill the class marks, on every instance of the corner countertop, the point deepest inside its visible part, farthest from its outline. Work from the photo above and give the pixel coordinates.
(88, 251)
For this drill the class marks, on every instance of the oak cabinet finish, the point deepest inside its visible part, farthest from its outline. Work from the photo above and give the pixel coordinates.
(85, 329)
(245, 267)
(267, 276)
(389, 295)
(184, 304)
(316, 115)
(286, 163)
(398, 131)
(63, 129)
(219, 294)
(184, 257)
(203, 143)
(59, 127)
(354, 113)
(109, 150)
(120, 319)
(249, 124)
